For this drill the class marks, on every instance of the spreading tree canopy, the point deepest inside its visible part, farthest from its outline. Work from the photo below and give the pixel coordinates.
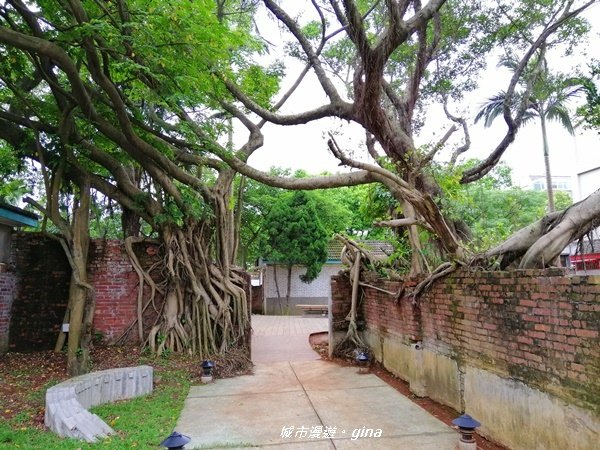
(399, 58)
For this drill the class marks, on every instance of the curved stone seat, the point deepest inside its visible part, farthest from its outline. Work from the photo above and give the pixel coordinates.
(67, 403)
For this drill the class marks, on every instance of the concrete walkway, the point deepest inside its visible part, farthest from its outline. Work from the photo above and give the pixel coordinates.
(284, 338)
(305, 404)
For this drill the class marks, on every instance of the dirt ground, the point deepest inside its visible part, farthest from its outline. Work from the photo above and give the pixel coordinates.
(24, 377)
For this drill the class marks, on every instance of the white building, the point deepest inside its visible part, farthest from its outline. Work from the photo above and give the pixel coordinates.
(318, 292)
(559, 183)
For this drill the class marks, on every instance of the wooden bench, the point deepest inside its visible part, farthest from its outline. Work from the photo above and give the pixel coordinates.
(323, 309)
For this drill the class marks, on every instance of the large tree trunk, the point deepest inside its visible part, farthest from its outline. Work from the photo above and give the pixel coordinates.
(237, 221)
(130, 223)
(416, 266)
(205, 307)
(277, 288)
(539, 244)
(80, 312)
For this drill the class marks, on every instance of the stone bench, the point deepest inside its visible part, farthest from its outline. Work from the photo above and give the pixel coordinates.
(67, 403)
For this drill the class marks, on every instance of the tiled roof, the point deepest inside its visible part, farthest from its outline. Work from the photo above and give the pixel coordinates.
(379, 249)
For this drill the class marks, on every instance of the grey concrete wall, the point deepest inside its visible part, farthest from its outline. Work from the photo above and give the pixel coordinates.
(429, 374)
(320, 287)
(524, 418)
(511, 412)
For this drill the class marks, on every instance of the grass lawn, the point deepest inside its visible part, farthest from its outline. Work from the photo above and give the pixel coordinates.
(142, 422)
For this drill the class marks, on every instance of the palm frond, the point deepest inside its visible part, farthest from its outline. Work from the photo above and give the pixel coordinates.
(559, 113)
(568, 93)
(509, 62)
(529, 115)
(495, 108)
(491, 109)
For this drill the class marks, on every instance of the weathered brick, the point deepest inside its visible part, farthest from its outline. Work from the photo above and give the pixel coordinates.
(586, 333)
(526, 320)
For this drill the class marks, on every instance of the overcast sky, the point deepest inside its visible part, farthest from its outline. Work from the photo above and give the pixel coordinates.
(304, 146)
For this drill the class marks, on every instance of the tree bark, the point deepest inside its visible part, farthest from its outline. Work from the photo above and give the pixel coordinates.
(237, 221)
(130, 223)
(79, 339)
(576, 221)
(538, 245)
(413, 238)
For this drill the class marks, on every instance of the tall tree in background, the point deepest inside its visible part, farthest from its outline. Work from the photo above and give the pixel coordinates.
(295, 236)
(547, 100)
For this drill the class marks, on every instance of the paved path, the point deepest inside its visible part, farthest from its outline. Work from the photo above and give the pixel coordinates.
(284, 338)
(294, 401)
(288, 325)
(305, 397)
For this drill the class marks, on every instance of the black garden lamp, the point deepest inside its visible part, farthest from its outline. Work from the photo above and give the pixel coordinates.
(362, 359)
(466, 427)
(207, 371)
(175, 440)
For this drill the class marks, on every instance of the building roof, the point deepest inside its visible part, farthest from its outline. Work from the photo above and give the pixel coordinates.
(379, 249)
(16, 217)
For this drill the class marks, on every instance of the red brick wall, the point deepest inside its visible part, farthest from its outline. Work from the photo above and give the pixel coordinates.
(341, 295)
(390, 314)
(43, 274)
(540, 327)
(116, 285)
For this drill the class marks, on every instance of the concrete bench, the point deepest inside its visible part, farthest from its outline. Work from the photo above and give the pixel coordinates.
(323, 309)
(67, 403)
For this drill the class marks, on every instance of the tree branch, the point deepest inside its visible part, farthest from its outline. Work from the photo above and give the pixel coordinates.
(395, 223)
(513, 124)
(313, 58)
(338, 109)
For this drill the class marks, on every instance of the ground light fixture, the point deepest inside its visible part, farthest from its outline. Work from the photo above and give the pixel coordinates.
(207, 371)
(466, 427)
(175, 441)
(362, 359)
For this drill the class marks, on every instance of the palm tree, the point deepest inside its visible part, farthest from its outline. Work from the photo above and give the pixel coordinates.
(547, 99)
